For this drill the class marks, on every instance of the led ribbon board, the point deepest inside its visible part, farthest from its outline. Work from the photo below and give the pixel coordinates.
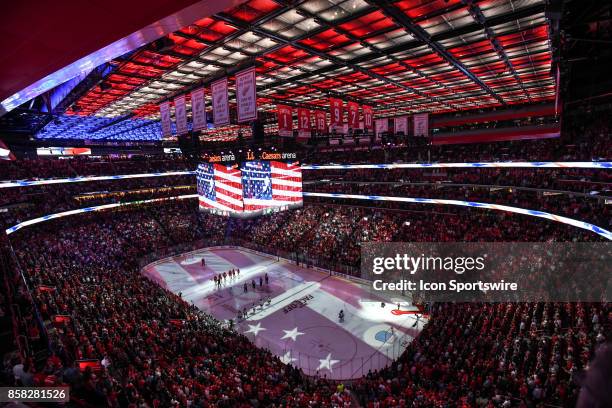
(27, 183)
(548, 165)
(562, 165)
(91, 209)
(533, 213)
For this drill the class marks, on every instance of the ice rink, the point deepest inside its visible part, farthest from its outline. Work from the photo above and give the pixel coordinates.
(299, 318)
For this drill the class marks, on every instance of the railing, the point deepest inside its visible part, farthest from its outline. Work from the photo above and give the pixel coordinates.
(22, 340)
(320, 263)
(301, 258)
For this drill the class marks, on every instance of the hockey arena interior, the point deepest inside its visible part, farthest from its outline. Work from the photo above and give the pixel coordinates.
(306, 203)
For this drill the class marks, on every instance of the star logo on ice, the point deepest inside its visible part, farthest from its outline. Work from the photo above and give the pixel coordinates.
(291, 334)
(255, 328)
(287, 359)
(327, 362)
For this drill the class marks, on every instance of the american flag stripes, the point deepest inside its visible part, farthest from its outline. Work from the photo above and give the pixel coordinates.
(219, 187)
(271, 184)
(286, 182)
(255, 186)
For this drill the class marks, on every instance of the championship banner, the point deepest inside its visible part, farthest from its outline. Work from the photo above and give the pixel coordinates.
(368, 117)
(198, 109)
(335, 111)
(353, 115)
(218, 90)
(320, 121)
(382, 126)
(303, 119)
(421, 124)
(164, 112)
(400, 125)
(246, 95)
(180, 115)
(285, 120)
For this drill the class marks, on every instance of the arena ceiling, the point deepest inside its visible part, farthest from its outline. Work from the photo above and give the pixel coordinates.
(402, 56)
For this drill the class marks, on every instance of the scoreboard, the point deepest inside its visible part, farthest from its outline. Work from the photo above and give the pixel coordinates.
(270, 183)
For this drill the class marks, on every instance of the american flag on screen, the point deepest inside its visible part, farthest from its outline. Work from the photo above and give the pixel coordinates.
(219, 187)
(271, 184)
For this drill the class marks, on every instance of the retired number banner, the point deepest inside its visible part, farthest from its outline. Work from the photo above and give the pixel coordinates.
(246, 95)
(180, 115)
(198, 109)
(303, 119)
(285, 120)
(421, 124)
(164, 112)
(335, 111)
(353, 115)
(382, 126)
(218, 90)
(400, 124)
(320, 121)
(368, 117)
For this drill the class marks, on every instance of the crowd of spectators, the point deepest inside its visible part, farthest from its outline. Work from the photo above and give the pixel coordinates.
(153, 349)
(121, 340)
(589, 209)
(584, 141)
(150, 347)
(32, 169)
(493, 355)
(24, 203)
(586, 181)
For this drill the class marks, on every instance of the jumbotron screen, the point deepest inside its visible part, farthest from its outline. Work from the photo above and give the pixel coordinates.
(250, 188)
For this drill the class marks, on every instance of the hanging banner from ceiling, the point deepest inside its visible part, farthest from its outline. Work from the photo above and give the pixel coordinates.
(303, 119)
(180, 114)
(400, 125)
(353, 115)
(382, 126)
(5, 152)
(198, 109)
(285, 120)
(421, 124)
(368, 117)
(246, 95)
(218, 90)
(164, 112)
(320, 121)
(335, 111)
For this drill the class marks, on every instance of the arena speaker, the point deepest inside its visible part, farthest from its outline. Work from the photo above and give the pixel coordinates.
(184, 142)
(195, 142)
(257, 129)
(190, 144)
